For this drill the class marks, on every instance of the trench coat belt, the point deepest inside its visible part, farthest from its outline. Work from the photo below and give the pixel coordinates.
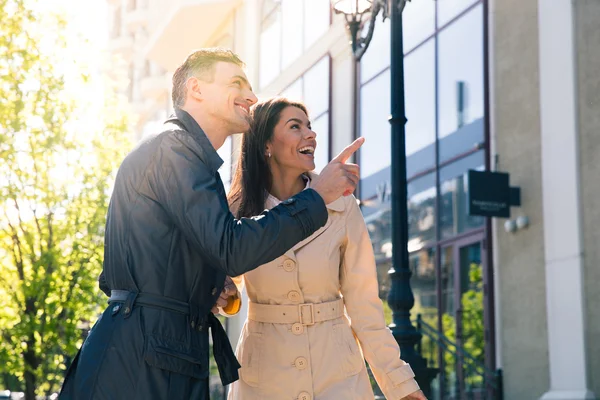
(222, 351)
(305, 314)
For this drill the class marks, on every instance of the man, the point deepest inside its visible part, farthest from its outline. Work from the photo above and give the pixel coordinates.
(170, 242)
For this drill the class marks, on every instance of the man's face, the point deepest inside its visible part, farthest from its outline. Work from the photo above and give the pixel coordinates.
(228, 97)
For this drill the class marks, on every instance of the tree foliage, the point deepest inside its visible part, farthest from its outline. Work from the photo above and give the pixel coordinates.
(58, 153)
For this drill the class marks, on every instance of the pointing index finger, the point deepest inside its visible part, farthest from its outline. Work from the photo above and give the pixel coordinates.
(349, 150)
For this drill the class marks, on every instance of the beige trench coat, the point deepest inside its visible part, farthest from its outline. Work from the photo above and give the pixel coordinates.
(323, 361)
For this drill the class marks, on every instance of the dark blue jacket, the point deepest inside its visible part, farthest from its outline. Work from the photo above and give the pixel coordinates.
(170, 241)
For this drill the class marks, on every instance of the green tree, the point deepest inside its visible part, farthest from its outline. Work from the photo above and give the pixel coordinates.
(58, 153)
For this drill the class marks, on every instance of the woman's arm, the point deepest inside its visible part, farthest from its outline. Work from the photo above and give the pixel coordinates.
(361, 296)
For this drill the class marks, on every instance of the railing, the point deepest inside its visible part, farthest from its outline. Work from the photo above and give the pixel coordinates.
(461, 375)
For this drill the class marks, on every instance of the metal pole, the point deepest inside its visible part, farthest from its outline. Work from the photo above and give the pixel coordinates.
(401, 298)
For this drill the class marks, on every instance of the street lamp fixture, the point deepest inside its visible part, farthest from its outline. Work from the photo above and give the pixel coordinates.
(400, 299)
(356, 13)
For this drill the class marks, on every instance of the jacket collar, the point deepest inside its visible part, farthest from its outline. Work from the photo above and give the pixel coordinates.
(208, 154)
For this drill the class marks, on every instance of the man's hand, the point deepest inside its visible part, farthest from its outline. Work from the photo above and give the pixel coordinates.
(418, 395)
(228, 290)
(338, 178)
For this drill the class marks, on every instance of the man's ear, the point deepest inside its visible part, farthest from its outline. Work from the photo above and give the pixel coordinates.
(194, 88)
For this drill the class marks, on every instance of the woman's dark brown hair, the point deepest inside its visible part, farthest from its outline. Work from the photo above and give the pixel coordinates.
(252, 179)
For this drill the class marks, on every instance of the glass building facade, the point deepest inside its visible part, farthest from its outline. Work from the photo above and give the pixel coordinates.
(445, 137)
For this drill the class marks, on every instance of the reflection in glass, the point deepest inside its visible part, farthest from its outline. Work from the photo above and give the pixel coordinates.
(471, 297)
(418, 23)
(449, 9)
(378, 57)
(316, 88)
(421, 211)
(420, 104)
(454, 192)
(374, 125)
(460, 73)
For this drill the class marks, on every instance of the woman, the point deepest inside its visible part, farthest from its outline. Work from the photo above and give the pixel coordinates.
(297, 342)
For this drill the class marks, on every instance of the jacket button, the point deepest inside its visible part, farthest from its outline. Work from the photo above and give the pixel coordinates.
(304, 396)
(294, 296)
(213, 291)
(301, 363)
(291, 200)
(289, 265)
(297, 328)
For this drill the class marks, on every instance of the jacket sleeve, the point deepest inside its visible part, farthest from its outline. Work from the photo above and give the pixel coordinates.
(195, 199)
(361, 296)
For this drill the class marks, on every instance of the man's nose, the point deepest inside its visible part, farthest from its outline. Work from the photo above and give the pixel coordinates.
(251, 97)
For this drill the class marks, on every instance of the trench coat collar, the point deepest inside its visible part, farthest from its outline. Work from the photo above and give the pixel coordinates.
(208, 153)
(336, 205)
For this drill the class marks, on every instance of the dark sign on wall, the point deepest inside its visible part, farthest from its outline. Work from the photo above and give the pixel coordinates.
(490, 194)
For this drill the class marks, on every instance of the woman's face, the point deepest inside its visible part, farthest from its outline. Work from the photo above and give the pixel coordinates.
(293, 145)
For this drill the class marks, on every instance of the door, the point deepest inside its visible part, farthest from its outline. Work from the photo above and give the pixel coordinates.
(462, 318)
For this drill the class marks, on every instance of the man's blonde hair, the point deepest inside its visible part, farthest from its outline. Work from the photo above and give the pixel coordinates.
(201, 64)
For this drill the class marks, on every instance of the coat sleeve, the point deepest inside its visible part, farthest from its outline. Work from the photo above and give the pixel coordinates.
(195, 199)
(361, 296)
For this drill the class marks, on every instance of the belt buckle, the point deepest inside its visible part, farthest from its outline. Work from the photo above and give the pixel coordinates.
(312, 313)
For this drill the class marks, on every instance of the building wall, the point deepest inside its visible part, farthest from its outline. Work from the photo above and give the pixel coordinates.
(522, 325)
(587, 36)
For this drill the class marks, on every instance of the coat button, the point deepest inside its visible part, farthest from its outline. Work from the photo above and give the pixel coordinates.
(301, 363)
(289, 265)
(297, 328)
(304, 396)
(291, 200)
(294, 296)
(213, 291)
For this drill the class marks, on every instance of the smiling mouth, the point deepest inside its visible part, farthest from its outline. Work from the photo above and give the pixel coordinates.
(307, 150)
(243, 108)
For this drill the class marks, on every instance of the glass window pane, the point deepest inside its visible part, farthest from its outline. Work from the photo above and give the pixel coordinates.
(375, 155)
(423, 283)
(418, 22)
(419, 72)
(448, 9)
(377, 56)
(454, 192)
(461, 84)
(321, 127)
(270, 49)
(291, 45)
(294, 91)
(316, 20)
(225, 170)
(421, 211)
(316, 84)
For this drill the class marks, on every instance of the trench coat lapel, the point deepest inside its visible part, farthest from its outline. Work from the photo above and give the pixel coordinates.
(335, 206)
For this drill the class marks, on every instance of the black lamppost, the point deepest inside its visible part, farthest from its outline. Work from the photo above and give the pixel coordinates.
(400, 298)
